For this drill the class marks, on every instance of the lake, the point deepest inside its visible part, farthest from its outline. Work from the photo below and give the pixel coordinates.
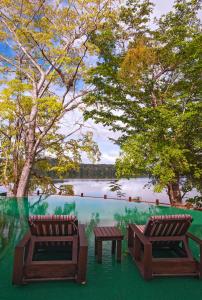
(135, 187)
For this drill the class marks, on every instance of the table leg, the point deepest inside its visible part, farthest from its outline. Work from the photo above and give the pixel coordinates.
(119, 246)
(99, 251)
(113, 246)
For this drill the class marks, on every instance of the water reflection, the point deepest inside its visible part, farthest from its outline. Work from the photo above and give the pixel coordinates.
(92, 212)
(13, 223)
(133, 215)
(124, 188)
(67, 209)
(94, 221)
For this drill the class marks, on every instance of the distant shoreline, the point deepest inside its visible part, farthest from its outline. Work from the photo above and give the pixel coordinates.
(90, 179)
(95, 179)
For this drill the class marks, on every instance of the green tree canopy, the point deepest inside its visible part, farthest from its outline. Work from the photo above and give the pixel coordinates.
(45, 48)
(148, 87)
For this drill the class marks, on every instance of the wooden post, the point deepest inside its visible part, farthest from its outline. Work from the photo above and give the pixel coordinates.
(81, 194)
(129, 199)
(105, 196)
(157, 201)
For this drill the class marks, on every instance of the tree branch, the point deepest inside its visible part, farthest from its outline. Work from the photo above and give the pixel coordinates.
(15, 66)
(21, 46)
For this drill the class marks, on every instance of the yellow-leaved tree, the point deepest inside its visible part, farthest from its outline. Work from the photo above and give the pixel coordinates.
(45, 49)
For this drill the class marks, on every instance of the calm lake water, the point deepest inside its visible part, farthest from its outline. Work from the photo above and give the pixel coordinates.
(135, 187)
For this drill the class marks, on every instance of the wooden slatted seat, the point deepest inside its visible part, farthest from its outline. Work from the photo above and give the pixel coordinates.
(58, 236)
(163, 233)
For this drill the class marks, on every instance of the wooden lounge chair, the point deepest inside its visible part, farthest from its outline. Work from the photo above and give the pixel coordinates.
(160, 248)
(55, 248)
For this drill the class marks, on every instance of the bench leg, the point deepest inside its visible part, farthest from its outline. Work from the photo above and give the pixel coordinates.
(119, 246)
(99, 251)
(137, 248)
(82, 264)
(95, 247)
(200, 263)
(147, 262)
(113, 246)
(130, 237)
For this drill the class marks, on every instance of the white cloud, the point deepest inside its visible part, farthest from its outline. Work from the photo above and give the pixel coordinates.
(109, 157)
(162, 7)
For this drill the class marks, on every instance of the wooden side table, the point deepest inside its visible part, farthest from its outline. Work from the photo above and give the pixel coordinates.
(108, 234)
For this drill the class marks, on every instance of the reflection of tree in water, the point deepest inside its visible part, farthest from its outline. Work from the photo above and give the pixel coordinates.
(94, 221)
(115, 186)
(67, 209)
(134, 215)
(39, 209)
(13, 216)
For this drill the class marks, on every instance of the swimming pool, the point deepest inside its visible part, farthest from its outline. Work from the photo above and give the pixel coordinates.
(106, 281)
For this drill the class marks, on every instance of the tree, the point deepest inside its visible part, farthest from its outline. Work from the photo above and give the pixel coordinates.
(150, 90)
(45, 48)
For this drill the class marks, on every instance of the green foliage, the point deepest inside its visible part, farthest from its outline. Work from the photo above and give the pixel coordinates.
(195, 202)
(94, 221)
(88, 171)
(66, 189)
(67, 209)
(40, 75)
(149, 89)
(115, 186)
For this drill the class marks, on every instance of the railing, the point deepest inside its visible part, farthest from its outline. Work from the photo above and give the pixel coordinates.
(129, 199)
(135, 199)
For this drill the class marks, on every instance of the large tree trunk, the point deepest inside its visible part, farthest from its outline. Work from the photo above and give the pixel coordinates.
(174, 192)
(23, 184)
(15, 173)
(22, 189)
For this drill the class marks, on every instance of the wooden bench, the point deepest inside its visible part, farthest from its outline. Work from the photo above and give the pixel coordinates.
(51, 234)
(108, 234)
(167, 233)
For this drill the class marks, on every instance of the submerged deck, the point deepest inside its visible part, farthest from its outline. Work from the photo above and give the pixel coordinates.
(109, 280)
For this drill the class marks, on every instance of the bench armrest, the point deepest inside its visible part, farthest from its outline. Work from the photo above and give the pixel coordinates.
(82, 255)
(199, 242)
(133, 228)
(194, 238)
(83, 242)
(21, 251)
(25, 240)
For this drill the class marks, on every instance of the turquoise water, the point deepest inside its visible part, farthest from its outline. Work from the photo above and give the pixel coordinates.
(109, 280)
